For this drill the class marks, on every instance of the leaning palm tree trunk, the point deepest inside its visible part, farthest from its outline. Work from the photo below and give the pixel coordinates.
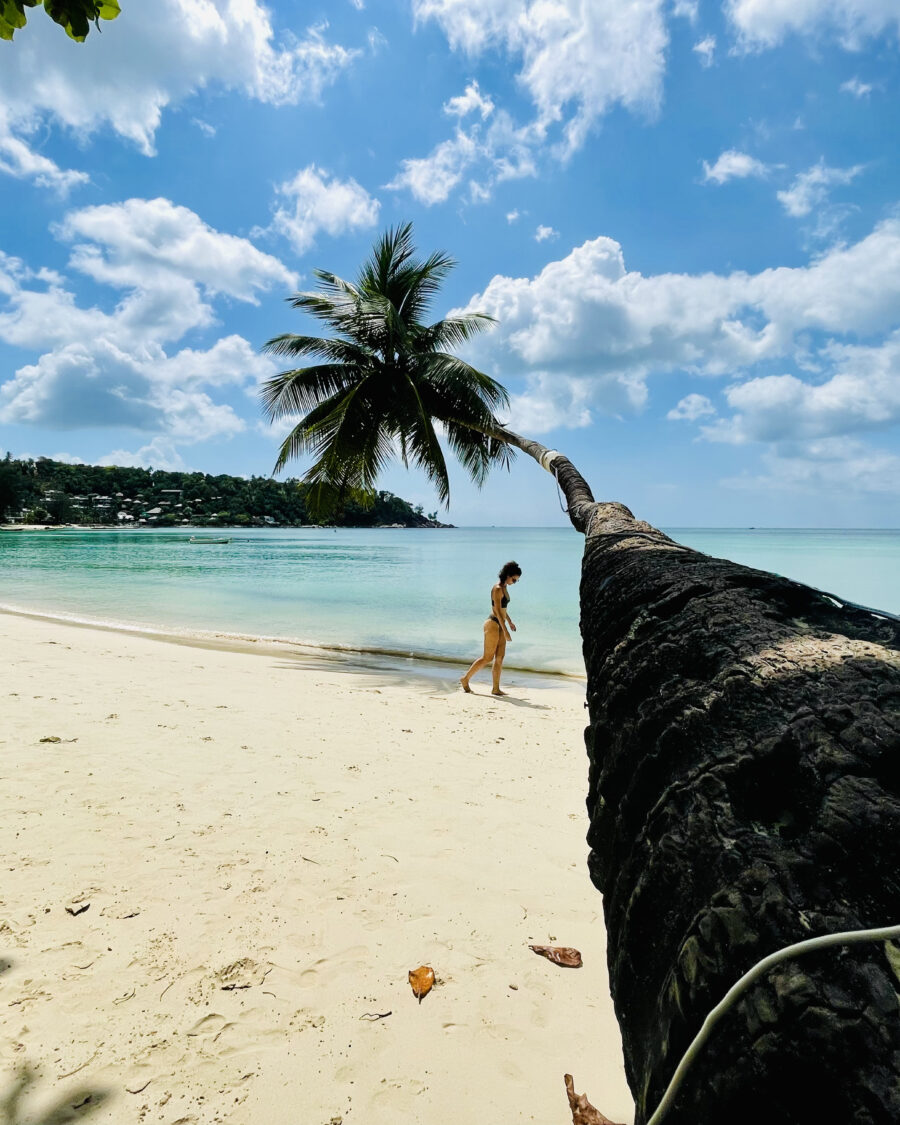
(744, 737)
(744, 794)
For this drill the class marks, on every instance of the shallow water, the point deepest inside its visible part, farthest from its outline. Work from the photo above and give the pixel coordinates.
(405, 591)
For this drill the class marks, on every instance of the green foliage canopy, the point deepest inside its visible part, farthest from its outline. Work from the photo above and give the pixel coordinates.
(386, 380)
(76, 16)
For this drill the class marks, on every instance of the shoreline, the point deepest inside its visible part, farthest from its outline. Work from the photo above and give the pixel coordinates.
(222, 868)
(348, 656)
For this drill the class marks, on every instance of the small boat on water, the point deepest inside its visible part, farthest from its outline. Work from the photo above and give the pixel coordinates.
(206, 539)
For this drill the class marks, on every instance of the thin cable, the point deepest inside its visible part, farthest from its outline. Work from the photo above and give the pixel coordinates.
(558, 489)
(847, 937)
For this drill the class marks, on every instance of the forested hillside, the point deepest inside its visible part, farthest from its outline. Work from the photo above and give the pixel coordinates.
(54, 492)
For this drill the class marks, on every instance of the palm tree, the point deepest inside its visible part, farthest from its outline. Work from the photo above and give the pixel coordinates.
(743, 739)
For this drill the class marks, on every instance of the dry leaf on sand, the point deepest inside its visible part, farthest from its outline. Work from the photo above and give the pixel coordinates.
(560, 955)
(583, 1113)
(422, 981)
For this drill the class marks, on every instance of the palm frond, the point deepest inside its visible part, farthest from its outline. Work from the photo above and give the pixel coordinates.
(335, 350)
(295, 392)
(386, 380)
(456, 330)
(449, 374)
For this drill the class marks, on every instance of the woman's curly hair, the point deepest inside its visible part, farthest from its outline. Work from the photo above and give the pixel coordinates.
(509, 570)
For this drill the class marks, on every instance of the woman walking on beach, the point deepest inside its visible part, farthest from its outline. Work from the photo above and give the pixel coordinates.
(496, 629)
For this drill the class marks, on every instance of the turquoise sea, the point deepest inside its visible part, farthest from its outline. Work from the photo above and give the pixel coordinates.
(413, 593)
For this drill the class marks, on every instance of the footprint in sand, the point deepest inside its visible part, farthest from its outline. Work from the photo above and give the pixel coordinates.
(323, 970)
(399, 1093)
(210, 1025)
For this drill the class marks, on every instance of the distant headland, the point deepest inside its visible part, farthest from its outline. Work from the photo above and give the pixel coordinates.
(55, 493)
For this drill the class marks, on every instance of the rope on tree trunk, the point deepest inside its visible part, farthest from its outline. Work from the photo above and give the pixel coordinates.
(846, 937)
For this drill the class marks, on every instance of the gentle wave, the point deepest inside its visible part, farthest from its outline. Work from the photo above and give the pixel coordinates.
(269, 645)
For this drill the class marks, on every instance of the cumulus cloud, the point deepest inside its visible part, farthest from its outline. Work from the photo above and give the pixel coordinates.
(316, 203)
(156, 454)
(810, 188)
(18, 159)
(145, 242)
(157, 56)
(586, 321)
(857, 88)
(505, 151)
(706, 49)
(471, 101)
(578, 57)
(542, 234)
(686, 9)
(690, 408)
(512, 216)
(829, 466)
(114, 368)
(733, 165)
(765, 23)
(431, 178)
(862, 394)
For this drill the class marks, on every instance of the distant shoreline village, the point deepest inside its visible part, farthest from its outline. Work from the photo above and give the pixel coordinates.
(42, 493)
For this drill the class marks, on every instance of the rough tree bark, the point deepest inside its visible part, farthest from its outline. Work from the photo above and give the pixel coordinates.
(744, 794)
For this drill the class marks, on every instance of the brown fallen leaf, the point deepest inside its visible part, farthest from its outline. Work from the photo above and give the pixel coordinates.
(583, 1113)
(422, 981)
(560, 955)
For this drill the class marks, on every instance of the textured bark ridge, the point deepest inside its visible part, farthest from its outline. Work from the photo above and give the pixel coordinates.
(744, 747)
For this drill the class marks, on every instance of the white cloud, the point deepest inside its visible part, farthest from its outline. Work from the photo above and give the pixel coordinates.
(18, 159)
(512, 216)
(471, 101)
(579, 57)
(552, 402)
(144, 242)
(505, 150)
(733, 165)
(157, 454)
(706, 49)
(827, 467)
(543, 233)
(431, 178)
(857, 88)
(690, 408)
(765, 23)
(686, 9)
(586, 321)
(157, 55)
(113, 368)
(810, 189)
(862, 394)
(204, 126)
(317, 203)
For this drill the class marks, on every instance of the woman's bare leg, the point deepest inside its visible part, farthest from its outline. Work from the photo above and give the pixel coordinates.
(491, 641)
(498, 665)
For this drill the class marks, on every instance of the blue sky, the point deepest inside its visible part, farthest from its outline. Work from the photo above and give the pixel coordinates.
(683, 215)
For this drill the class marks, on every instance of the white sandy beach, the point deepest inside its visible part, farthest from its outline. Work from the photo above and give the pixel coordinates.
(265, 845)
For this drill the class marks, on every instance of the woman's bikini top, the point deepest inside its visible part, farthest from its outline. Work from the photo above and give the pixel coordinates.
(504, 602)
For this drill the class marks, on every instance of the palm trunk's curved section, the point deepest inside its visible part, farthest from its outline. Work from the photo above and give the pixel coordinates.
(580, 502)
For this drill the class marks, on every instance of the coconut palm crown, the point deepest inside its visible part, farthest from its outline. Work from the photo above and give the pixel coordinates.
(384, 381)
